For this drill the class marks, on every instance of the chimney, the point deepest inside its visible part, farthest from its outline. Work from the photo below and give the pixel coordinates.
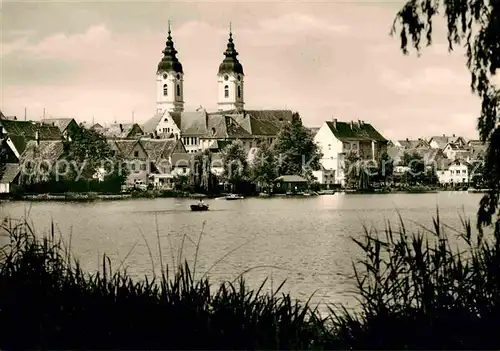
(335, 123)
(444, 135)
(359, 123)
(352, 124)
(453, 135)
(121, 127)
(37, 137)
(407, 139)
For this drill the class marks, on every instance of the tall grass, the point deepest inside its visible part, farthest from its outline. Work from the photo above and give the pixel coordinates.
(415, 291)
(422, 291)
(47, 301)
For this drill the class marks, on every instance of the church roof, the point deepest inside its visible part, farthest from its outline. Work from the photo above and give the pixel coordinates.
(230, 64)
(191, 123)
(223, 126)
(151, 124)
(169, 62)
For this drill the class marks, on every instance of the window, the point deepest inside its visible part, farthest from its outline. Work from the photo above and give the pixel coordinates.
(165, 90)
(178, 76)
(184, 170)
(136, 153)
(354, 146)
(226, 77)
(132, 166)
(143, 167)
(329, 146)
(226, 91)
(178, 90)
(165, 120)
(239, 92)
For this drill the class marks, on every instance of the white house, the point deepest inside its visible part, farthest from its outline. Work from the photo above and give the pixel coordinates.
(337, 139)
(453, 172)
(325, 177)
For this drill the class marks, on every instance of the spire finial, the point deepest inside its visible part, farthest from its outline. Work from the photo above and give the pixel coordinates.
(230, 30)
(169, 27)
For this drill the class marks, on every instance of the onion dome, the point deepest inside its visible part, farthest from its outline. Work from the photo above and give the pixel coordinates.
(230, 64)
(169, 62)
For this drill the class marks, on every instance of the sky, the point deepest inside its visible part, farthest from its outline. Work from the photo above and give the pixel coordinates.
(97, 60)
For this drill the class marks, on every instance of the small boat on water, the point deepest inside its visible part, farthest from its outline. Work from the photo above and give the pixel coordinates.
(199, 207)
(234, 197)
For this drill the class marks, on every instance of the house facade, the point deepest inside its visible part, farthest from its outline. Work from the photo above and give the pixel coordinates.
(453, 172)
(135, 158)
(337, 139)
(160, 153)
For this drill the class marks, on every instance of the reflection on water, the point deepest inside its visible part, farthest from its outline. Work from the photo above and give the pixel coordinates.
(305, 240)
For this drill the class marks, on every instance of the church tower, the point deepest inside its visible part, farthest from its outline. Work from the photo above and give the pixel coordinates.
(169, 80)
(230, 79)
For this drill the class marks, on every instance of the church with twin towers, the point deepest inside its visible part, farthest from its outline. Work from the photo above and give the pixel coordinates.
(201, 129)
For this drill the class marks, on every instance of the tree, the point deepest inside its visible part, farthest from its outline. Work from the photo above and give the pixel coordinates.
(352, 169)
(264, 169)
(431, 177)
(385, 167)
(473, 24)
(181, 182)
(415, 163)
(298, 153)
(201, 176)
(476, 173)
(91, 152)
(236, 168)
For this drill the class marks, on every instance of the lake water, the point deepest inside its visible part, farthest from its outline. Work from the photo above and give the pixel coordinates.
(305, 240)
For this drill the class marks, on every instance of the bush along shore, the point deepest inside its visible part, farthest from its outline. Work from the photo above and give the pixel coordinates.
(93, 196)
(415, 292)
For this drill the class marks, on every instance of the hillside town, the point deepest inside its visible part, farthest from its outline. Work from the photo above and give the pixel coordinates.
(163, 149)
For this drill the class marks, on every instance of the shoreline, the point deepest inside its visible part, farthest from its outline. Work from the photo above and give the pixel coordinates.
(89, 197)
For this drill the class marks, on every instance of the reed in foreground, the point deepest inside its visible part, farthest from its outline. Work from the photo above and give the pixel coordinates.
(422, 291)
(415, 291)
(48, 302)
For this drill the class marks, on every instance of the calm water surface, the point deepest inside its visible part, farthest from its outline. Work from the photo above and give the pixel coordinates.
(304, 240)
